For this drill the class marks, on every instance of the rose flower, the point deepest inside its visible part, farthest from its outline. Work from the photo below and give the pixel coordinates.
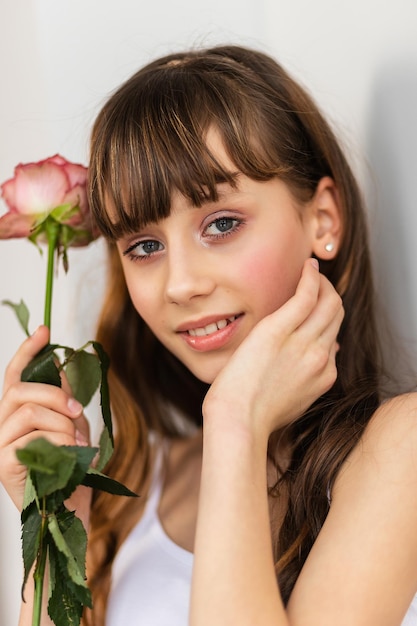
(52, 188)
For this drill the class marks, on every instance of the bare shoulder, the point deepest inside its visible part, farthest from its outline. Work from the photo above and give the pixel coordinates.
(367, 546)
(393, 425)
(387, 450)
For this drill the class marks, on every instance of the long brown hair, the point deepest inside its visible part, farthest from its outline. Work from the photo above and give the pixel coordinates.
(148, 141)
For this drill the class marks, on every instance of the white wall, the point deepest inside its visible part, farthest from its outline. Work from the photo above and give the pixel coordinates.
(59, 60)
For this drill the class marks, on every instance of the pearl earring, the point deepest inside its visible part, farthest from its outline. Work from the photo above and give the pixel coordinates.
(329, 247)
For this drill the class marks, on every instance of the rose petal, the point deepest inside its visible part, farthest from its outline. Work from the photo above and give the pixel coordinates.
(8, 191)
(39, 188)
(77, 174)
(15, 225)
(57, 158)
(77, 197)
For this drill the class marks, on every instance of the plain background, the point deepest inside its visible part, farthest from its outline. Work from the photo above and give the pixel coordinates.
(60, 59)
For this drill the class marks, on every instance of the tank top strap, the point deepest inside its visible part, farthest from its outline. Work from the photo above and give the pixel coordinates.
(155, 489)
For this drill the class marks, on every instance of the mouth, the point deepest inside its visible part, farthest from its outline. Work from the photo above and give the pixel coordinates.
(210, 334)
(211, 328)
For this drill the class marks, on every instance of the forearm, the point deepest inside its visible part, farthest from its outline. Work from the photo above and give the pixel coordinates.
(234, 579)
(26, 611)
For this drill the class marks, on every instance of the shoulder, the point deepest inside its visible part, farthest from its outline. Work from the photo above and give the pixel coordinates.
(387, 451)
(368, 543)
(399, 410)
(393, 427)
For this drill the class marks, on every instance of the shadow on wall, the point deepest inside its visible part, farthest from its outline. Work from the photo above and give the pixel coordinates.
(392, 144)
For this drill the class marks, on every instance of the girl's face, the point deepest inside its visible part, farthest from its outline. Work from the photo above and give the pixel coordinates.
(203, 277)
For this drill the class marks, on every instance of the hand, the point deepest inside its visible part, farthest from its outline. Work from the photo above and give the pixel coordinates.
(32, 410)
(285, 363)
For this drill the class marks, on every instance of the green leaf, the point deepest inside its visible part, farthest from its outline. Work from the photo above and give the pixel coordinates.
(43, 368)
(104, 387)
(84, 457)
(30, 493)
(68, 588)
(97, 480)
(37, 230)
(76, 594)
(63, 607)
(22, 313)
(64, 212)
(68, 235)
(84, 375)
(106, 449)
(72, 529)
(50, 466)
(71, 541)
(31, 533)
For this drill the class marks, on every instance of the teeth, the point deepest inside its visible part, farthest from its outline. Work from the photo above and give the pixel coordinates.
(210, 328)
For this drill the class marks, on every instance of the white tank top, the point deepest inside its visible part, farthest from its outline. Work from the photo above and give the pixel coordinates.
(151, 575)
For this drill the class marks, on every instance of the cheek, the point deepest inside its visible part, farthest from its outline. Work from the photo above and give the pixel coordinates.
(141, 295)
(270, 277)
(143, 304)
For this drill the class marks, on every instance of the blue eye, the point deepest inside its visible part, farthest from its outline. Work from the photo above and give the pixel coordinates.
(143, 249)
(148, 247)
(222, 226)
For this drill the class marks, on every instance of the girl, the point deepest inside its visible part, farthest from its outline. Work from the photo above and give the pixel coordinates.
(278, 482)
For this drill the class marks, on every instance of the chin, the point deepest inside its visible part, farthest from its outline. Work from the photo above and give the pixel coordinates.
(204, 376)
(207, 373)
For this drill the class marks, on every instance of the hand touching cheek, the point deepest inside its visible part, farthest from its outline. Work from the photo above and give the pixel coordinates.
(285, 363)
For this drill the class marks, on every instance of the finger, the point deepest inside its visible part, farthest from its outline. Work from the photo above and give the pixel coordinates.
(329, 307)
(48, 396)
(330, 333)
(27, 351)
(32, 418)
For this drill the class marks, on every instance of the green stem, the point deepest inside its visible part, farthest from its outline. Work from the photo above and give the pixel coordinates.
(52, 233)
(39, 575)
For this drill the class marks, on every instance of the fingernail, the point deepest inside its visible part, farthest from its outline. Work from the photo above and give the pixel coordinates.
(35, 331)
(314, 263)
(74, 406)
(80, 440)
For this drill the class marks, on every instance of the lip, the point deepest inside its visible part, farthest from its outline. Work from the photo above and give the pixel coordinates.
(215, 340)
(204, 321)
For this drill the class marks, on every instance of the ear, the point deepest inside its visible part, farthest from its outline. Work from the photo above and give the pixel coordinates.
(326, 220)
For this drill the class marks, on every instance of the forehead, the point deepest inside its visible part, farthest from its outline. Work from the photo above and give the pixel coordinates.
(216, 147)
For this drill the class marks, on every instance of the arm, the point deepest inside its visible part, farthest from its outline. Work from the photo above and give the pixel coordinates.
(282, 367)
(28, 411)
(234, 580)
(361, 570)
(363, 564)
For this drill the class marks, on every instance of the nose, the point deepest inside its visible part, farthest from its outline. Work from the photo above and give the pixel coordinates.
(188, 277)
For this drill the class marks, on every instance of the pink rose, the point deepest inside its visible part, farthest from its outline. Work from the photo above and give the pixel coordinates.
(53, 187)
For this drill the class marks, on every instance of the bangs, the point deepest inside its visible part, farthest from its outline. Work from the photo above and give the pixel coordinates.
(150, 140)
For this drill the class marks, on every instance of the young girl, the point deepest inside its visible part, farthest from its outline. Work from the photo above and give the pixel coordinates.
(278, 482)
